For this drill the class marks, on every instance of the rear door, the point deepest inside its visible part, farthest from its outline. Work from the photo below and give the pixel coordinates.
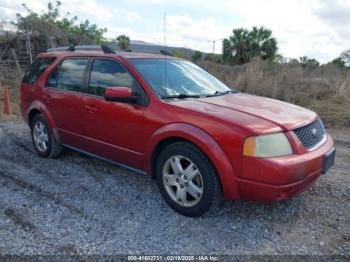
(31, 85)
(114, 130)
(63, 97)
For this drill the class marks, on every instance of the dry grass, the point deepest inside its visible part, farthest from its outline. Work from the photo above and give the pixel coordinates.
(10, 77)
(325, 90)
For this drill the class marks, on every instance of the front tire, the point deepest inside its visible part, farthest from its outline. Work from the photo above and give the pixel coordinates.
(43, 139)
(186, 179)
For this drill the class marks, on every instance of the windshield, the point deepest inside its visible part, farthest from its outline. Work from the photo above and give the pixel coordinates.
(178, 78)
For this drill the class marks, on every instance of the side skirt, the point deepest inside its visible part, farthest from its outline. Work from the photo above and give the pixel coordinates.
(105, 159)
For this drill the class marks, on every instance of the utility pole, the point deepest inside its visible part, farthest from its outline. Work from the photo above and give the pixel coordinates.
(164, 32)
(214, 43)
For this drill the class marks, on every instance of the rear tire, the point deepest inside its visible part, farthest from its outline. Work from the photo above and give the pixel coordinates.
(43, 139)
(187, 180)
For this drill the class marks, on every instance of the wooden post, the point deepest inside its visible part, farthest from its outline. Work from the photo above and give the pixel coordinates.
(3, 52)
(16, 61)
(29, 48)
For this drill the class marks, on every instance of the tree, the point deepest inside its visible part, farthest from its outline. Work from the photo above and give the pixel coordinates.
(338, 62)
(280, 59)
(178, 53)
(307, 62)
(65, 30)
(243, 45)
(294, 62)
(262, 43)
(197, 56)
(123, 42)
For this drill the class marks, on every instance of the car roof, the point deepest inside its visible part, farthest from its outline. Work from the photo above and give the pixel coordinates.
(126, 55)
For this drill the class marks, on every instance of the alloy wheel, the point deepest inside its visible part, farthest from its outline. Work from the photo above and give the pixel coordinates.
(183, 181)
(40, 136)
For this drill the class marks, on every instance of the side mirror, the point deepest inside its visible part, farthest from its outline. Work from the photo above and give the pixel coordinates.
(120, 94)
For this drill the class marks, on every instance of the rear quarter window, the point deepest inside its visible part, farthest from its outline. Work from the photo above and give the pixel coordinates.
(36, 69)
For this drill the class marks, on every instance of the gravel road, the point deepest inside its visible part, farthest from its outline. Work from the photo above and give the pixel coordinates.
(79, 205)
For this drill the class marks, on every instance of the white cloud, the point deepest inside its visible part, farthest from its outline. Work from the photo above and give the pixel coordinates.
(87, 8)
(113, 31)
(298, 30)
(181, 30)
(132, 16)
(9, 8)
(335, 14)
(7, 13)
(195, 33)
(82, 8)
(156, 2)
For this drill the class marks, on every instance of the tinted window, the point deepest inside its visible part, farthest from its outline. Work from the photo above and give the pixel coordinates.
(108, 73)
(70, 75)
(36, 69)
(52, 81)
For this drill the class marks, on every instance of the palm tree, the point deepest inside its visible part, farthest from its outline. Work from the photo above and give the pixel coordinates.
(123, 42)
(263, 44)
(243, 45)
(236, 48)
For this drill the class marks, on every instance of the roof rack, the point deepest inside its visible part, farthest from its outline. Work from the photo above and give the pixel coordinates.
(72, 48)
(105, 49)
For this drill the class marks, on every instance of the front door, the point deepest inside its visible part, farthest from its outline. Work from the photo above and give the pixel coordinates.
(113, 130)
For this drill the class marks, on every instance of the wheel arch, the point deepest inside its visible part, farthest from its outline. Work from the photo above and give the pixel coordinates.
(160, 147)
(38, 107)
(204, 142)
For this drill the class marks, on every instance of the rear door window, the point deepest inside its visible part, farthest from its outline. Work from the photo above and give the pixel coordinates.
(36, 69)
(52, 81)
(69, 76)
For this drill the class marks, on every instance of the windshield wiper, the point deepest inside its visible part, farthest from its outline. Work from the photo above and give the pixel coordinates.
(219, 93)
(180, 96)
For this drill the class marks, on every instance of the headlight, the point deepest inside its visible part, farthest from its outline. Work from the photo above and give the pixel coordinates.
(267, 146)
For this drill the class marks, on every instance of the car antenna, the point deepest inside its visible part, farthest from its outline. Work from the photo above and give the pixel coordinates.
(164, 34)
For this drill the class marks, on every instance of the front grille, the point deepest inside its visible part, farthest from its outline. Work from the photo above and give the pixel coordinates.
(311, 135)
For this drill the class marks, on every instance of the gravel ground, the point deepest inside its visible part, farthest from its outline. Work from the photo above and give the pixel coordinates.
(79, 205)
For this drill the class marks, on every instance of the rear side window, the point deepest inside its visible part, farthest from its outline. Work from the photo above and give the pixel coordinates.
(36, 69)
(69, 75)
(108, 73)
(52, 81)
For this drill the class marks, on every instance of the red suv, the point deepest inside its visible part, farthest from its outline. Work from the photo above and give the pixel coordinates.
(168, 118)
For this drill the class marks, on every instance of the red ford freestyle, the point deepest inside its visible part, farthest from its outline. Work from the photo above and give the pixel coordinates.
(166, 117)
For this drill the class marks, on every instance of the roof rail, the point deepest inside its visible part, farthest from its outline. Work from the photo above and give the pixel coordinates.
(165, 52)
(72, 48)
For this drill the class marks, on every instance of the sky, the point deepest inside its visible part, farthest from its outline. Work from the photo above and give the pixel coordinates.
(319, 29)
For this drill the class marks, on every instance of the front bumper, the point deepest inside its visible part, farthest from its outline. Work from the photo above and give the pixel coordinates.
(275, 179)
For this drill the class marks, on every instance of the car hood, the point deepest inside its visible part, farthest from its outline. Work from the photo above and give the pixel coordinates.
(284, 115)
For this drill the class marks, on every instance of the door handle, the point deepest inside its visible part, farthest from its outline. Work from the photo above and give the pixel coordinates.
(91, 109)
(48, 98)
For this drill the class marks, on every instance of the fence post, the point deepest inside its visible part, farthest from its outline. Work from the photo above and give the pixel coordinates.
(16, 61)
(7, 103)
